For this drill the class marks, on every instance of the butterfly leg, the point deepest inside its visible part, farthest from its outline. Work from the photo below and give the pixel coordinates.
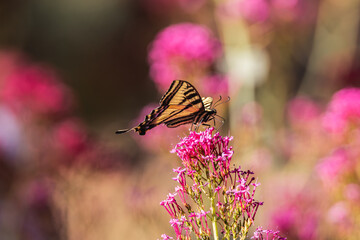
(207, 125)
(195, 126)
(222, 120)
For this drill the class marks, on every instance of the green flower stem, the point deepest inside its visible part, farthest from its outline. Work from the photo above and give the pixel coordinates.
(213, 218)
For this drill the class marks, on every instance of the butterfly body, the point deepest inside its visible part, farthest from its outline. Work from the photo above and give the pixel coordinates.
(180, 105)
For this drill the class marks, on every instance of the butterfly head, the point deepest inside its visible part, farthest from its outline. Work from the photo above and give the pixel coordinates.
(209, 114)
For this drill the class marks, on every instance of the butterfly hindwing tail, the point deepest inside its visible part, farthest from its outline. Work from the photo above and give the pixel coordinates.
(123, 131)
(141, 129)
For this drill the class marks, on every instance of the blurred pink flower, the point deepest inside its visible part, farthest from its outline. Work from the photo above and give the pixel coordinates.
(36, 89)
(70, 137)
(261, 159)
(331, 167)
(177, 48)
(215, 84)
(292, 220)
(251, 114)
(286, 9)
(343, 110)
(166, 237)
(254, 10)
(250, 10)
(285, 218)
(285, 4)
(301, 110)
(338, 214)
(352, 192)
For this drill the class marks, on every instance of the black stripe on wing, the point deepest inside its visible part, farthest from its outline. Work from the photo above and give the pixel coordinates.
(180, 121)
(182, 93)
(173, 89)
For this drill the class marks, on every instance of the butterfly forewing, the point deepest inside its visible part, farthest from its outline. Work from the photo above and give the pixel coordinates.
(182, 93)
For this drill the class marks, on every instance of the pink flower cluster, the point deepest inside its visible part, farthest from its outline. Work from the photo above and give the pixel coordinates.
(260, 11)
(264, 234)
(206, 159)
(343, 111)
(298, 218)
(202, 150)
(31, 94)
(331, 168)
(35, 89)
(215, 84)
(181, 49)
(302, 110)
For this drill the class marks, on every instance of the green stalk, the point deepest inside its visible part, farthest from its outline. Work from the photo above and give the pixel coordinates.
(213, 218)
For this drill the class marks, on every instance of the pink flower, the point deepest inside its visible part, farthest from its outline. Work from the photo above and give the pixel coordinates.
(177, 48)
(338, 213)
(331, 167)
(301, 110)
(286, 9)
(352, 192)
(343, 110)
(36, 89)
(203, 149)
(254, 10)
(251, 10)
(285, 218)
(166, 237)
(295, 221)
(251, 114)
(262, 234)
(70, 137)
(214, 85)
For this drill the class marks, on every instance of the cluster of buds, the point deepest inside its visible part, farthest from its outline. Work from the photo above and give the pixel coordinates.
(210, 194)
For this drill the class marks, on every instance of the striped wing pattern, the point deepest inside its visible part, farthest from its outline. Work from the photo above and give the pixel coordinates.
(181, 104)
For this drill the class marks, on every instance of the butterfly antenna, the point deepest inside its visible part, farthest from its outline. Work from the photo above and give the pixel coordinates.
(222, 120)
(222, 102)
(217, 101)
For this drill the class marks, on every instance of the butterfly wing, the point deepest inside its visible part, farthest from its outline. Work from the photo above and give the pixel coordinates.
(182, 93)
(181, 104)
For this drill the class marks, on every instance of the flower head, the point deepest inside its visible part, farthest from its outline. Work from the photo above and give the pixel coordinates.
(70, 137)
(333, 166)
(343, 110)
(215, 84)
(177, 49)
(207, 175)
(301, 110)
(200, 150)
(250, 10)
(36, 89)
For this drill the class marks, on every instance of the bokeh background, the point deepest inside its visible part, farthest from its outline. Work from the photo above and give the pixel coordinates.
(72, 72)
